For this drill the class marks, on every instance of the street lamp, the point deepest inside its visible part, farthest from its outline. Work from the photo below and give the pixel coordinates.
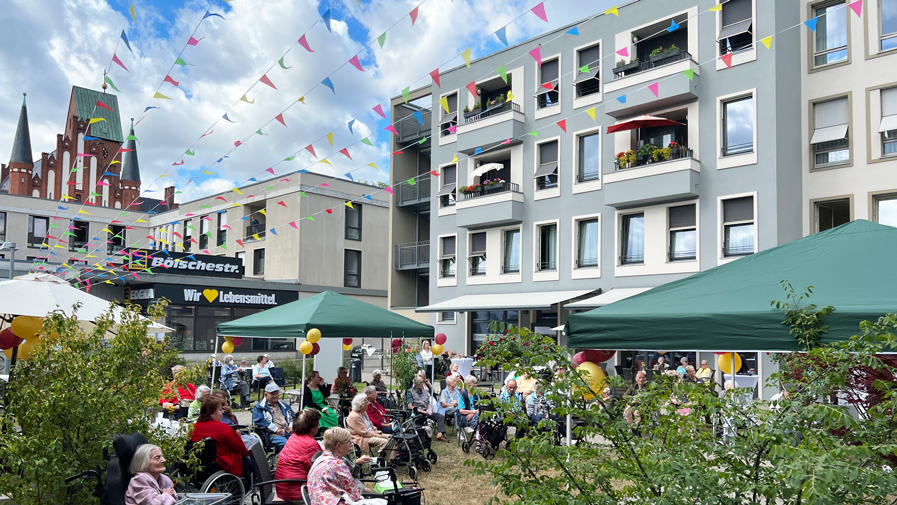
(12, 248)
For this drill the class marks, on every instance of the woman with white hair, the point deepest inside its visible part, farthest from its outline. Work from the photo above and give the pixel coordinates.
(150, 486)
(230, 376)
(201, 392)
(364, 434)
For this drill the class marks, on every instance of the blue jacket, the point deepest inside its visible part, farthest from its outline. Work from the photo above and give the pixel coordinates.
(228, 372)
(262, 416)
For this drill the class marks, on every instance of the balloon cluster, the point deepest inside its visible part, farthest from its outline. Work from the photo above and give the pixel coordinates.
(587, 361)
(347, 344)
(439, 347)
(22, 333)
(310, 346)
(230, 343)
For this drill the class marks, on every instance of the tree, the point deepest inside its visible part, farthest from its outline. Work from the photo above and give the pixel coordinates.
(689, 445)
(72, 396)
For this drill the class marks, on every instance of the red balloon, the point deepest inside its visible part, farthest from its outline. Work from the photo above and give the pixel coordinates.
(396, 342)
(236, 341)
(315, 349)
(347, 341)
(440, 339)
(8, 339)
(721, 353)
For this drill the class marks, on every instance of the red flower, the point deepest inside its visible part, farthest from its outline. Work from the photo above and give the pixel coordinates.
(525, 344)
(491, 343)
(501, 339)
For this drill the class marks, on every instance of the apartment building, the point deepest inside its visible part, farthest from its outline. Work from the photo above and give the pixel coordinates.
(849, 110)
(526, 227)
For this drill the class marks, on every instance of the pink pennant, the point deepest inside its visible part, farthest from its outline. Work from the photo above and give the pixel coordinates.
(537, 55)
(101, 183)
(472, 88)
(193, 42)
(206, 218)
(539, 10)
(413, 15)
(169, 79)
(293, 224)
(435, 75)
(506, 142)
(379, 110)
(325, 184)
(210, 132)
(311, 149)
(727, 59)
(135, 276)
(388, 190)
(279, 117)
(270, 170)
(284, 180)
(281, 203)
(624, 52)
(355, 63)
(453, 129)
(655, 88)
(304, 43)
(176, 164)
(205, 251)
(227, 227)
(563, 124)
(264, 80)
(392, 129)
(237, 143)
(139, 120)
(346, 152)
(857, 7)
(82, 155)
(116, 60)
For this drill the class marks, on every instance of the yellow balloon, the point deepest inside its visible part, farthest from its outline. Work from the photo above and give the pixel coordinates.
(227, 347)
(26, 326)
(24, 350)
(306, 347)
(594, 377)
(228, 339)
(661, 352)
(725, 362)
(437, 349)
(314, 335)
(347, 347)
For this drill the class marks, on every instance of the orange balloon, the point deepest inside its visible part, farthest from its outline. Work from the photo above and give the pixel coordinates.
(24, 350)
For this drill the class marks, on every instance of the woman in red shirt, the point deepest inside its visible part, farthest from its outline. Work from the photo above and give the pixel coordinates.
(231, 454)
(178, 394)
(294, 461)
(376, 412)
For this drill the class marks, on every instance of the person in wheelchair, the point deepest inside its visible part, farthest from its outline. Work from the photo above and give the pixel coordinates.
(467, 414)
(150, 485)
(294, 460)
(383, 396)
(376, 413)
(193, 411)
(179, 394)
(330, 477)
(273, 417)
(230, 419)
(230, 378)
(231, 453)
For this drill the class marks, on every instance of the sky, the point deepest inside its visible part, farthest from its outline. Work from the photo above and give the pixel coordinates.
(47, 46)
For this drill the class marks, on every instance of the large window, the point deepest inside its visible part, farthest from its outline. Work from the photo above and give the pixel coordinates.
(115, 239)
(222, 232)
(737, 26)
(546, 174)
(888, 126)
(632, 239)
(831, 145)
(830, 37)
(548, 250)
(448, 259)
(448, 190)
(511, 260)
(832, 213)
(547, 94)
(589, 163)
(2, 227)
(80, 231)
(888, 15)
(352, 267)
(188, 234)
(738, 126)
(588, 83)
(480, 321)
(885, 209)
(477, 256)
(683, 232)
(587, 243)
(449, 118)
(195, 329)
(353, 222)
(204, 232)
(37, 230)
(738, 226)
(258, 262)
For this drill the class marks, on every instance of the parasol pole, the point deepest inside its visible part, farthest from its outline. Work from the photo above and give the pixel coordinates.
(214, 359)
(302, 394)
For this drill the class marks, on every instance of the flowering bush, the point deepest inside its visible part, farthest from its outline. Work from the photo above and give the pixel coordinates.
(673, 145)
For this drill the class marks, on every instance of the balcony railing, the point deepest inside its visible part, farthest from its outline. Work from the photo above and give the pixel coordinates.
(410, 129)
(492, 111)
(255, 229)
(491, 189)
(651, 63)
(640, 161)
(410, 195)
(413, 255)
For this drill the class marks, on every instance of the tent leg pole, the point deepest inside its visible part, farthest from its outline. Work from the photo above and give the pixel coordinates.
(302, 394)
(214, 359)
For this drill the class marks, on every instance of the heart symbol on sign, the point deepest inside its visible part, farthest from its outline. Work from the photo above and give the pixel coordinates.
(210, 294)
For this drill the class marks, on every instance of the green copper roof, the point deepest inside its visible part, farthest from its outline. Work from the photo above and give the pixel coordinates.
(85, 108)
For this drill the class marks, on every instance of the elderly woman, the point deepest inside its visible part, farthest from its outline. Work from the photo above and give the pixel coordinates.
(230, 375)
(683, 363)
(261, 372)
(330, 476)
(468, 414)
(178, 394)
(455, 372)
(364, 434)
(450, 398)
(231, 453)
(376, 413)
(201, 391)
(383, 395)
(662, 365)
(315, 397)
(294, 461)
(150, 486)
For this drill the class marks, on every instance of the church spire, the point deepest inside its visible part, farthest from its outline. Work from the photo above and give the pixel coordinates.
(130, 168)
(21, 146)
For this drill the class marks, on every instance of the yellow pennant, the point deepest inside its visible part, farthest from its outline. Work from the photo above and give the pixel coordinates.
(163, 175)
(59, 246)
(301, 99)
(141, 221)
(160, 95)
(98, 267)
(510, 96)
(235, 204)
(716, 8)
(349, 204)
(455, 159)
(237, 191)
(82, 211)
(466, 56)
(263, 212)
(67, 197)
(324, 160)
(767, 41)
(444, 103)
(256, 236)
(243, 98)
(90, 256)
(96, 120)
(163, 241)
(613, 10)
(330, 138)
(133, 16)
(179, 245)
(106, 229)
(591, 113)
(109, 282)
(373, 165)
(163, 231)
(114, 162)
(208, 173)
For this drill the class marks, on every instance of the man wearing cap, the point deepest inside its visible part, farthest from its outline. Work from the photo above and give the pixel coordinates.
(273, 416)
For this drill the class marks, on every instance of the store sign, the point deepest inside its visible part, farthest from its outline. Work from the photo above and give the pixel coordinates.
(180, 294)
(184, 263)
(133, 294)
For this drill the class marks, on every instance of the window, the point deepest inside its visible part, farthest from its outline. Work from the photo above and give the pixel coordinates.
(222, 232)
(188, 234)
(448, 259)
(477, 255)
(831, 145)
(830, 37)
(258, 262)
(548, 240)
(37, 230)
(79, 235)
(547, 174)
(352, 269)
(511, 260)
(738, 126)
(587, 243)
(116, 239)
(449, 118)
(547, 94)
(447, 317)
(480, 321)
(888, 15)
(242, 257)
(738, 226)
(736, 33)
(832, 213)
(683, 233)
(204, 232)
(632, 239)
(353, 222)
(885, 209)
(589, 157)
(588, 83)
(2, 227)
(448, 190)
(888, 126)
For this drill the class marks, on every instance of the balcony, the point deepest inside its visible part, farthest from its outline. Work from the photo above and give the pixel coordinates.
(495, 110)
(253, 231)
(492, 126)
(659, 60)
(490, 189)
(677, 153)
(417, 195)
(670, 93)
(411, 130)
(653, 183)
(490, 206)
(413, 256)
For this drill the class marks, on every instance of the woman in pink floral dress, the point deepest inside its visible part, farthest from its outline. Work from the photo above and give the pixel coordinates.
(330, 477)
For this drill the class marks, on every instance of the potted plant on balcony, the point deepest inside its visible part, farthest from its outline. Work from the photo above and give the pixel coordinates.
(674, 149)
(685, 152)
(623, 67)
(645, 153)
(473, 112)
(621, 160)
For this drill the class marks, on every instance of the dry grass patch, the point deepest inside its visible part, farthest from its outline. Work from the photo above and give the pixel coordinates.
(452, 483)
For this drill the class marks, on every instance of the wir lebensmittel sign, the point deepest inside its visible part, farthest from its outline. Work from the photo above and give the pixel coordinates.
(180, 294)
(184, 263)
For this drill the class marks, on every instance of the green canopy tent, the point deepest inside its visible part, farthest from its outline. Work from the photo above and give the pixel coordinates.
(851, 267)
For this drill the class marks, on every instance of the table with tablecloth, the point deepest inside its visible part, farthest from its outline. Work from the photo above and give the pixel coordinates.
(744, 381)
(465, 365)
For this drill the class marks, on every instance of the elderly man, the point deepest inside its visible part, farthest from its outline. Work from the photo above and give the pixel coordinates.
(691, 376)
(419, 401)
(641, 384)
(273, 416)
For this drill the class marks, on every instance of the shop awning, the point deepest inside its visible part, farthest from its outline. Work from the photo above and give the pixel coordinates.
(614, 295)
(546, 169)
(735, 29)
(504, 301)
(828, 134)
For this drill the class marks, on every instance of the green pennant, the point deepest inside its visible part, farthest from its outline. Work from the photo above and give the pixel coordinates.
(259, 132)
(406, 93)
(135, 245)
(123, 214)
(280, 61)
(223, 247)
(150, 272)
(69, 234)
(178, 192)
(302, 193)
(75, 169)
(382, 40)
(269, 187)
(182, 62)
(204, 207)
(132, 137)
(190, 152)
(411, 181)
(690, 73)
(422, 140)
(503, 72)
(82, 251)
(291, 158)
(585, 69)
(55, 226)
(310, 218)
(367, 141)
(534, 133)
(109, 82)
(191, 227)
(95, 194)
(208, 233)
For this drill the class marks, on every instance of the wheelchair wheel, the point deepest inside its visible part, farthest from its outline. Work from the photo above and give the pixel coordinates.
(488, 451)
(465, 446)
(425, 465)
(432, 456)
(412, 472)
(223, 482)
